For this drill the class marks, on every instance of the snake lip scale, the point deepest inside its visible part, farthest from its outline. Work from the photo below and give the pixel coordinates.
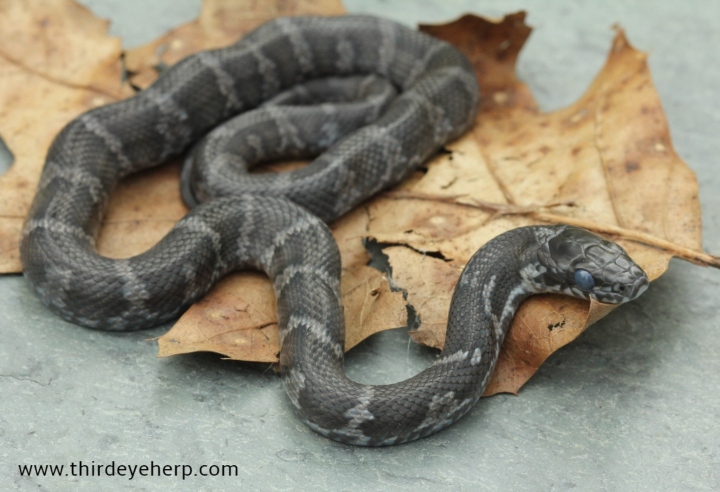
(373, 101)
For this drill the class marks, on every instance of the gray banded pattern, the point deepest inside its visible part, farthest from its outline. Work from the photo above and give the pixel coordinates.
(301, 122)
(283, 75)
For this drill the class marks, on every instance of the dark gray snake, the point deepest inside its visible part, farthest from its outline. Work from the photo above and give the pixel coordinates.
(276, 223)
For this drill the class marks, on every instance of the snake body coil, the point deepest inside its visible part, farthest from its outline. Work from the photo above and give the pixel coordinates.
(276, 223)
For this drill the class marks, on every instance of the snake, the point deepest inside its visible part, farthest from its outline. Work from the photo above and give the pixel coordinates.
(371, 101)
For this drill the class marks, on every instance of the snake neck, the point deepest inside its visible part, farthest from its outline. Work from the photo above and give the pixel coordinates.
(488, 293)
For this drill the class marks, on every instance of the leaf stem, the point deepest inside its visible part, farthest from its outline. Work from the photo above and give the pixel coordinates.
(535, 211)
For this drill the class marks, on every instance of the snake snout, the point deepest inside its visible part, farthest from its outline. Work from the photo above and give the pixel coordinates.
(639, 285)
(626, 286)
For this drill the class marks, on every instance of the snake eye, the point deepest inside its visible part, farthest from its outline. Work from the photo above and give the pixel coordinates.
(584, 280)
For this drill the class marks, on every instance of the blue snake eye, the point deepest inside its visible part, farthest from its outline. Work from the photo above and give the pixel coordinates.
(584, 280)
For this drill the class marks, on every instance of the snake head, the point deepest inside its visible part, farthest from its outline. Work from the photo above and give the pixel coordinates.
(581, 264)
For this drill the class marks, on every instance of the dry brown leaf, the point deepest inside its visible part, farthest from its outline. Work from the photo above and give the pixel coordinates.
(608, 158)
(627, 182)
(56, 61)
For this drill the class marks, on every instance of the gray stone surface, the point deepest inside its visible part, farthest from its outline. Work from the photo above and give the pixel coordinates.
(633, 404)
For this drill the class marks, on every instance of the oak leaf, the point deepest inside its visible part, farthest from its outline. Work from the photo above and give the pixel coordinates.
(605, 163)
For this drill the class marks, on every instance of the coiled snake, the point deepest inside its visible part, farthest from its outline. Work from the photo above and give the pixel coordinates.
(276, 223)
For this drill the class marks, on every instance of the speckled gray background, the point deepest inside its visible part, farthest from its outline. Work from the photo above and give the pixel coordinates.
(632, 405)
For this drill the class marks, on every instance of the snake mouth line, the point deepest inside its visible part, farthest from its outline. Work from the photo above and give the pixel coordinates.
(634, 290)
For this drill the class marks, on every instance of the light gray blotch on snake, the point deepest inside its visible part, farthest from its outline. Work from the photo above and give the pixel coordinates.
(224, 81)
(112, 141)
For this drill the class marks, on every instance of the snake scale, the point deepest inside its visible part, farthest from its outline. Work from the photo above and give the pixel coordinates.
(375, 100)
